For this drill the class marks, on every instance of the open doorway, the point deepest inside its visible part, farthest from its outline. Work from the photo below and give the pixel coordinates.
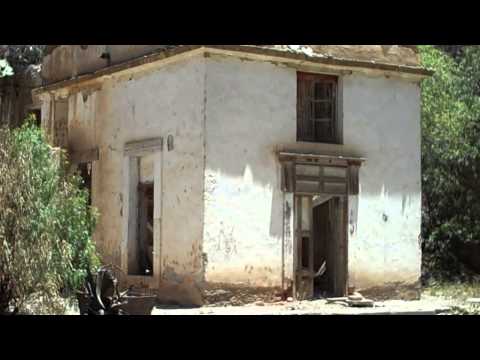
(321, 186)
(141, 239)
(145, 228)
(328, 248)
(85, 172)
(36, 114)
(321, 246)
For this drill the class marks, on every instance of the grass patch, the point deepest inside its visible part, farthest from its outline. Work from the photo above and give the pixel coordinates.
(453, 291)
(458, 292)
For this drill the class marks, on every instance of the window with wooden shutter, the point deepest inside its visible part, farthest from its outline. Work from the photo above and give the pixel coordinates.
(317, 108)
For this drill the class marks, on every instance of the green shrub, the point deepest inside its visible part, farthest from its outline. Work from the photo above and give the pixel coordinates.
(45, 223)
(450, 159)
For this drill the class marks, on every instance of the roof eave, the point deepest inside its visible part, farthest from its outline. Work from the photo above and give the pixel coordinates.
(325, 60)
(233, 50)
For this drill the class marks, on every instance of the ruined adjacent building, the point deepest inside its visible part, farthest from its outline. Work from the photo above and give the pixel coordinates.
(237, 170)
(16, 96)
(16, 86)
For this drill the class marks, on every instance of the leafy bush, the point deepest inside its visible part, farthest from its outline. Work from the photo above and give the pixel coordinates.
(16, 57)
(5, 68)
(45, 223)
(451, 159)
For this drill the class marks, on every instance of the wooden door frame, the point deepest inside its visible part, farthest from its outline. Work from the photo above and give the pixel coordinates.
(343, 245)
(132, 152)
(298, 240)
(289, 158)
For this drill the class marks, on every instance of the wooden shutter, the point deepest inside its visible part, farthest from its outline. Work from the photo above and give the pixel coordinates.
(304, 124)
(317, 108)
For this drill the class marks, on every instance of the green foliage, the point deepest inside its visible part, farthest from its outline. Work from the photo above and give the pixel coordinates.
(451, 158)
(458, 291)
(45, 222)
(18, 57)
(5, 68)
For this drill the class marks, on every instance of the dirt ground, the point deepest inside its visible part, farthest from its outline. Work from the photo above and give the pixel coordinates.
(426, 306)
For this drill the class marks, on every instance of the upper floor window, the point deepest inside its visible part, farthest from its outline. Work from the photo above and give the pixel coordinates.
(317, 109)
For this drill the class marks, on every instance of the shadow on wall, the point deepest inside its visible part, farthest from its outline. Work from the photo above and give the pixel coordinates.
(246, 187)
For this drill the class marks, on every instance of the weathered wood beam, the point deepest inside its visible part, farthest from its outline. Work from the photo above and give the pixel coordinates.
(139, 148)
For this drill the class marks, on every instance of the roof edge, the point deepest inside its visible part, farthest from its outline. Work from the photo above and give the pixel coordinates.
(155, 56)
(326, 60)
(164, 54)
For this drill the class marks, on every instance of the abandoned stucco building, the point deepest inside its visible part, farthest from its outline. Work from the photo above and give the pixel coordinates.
(16, 97)
(246, 168)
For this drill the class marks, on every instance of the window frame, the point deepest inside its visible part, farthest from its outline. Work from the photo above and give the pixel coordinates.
(306, 122)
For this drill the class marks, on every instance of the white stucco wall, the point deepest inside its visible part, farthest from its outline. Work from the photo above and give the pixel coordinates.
(382, 123)
(251, 108)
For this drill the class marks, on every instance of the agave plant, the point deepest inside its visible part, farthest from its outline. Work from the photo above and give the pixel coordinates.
(101, 295)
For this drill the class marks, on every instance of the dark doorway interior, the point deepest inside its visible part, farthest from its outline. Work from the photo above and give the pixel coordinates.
(85, 172)
(37, 116)
(328, 249)
(322, 240)
(145, 228)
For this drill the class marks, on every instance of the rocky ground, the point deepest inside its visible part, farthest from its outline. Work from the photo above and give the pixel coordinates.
(426, 306)
(454, 299)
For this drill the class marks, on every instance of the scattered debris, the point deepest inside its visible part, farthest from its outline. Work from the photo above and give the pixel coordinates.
(355, 300)
(320, 307)
(305, 49)
(361, 303)
(356, 297)
(334, 300)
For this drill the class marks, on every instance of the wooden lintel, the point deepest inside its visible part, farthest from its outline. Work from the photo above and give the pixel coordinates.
(87, 156)
(320, 159)
(140, 147)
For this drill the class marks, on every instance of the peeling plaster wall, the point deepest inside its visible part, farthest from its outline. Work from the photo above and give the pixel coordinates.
(251, 107)
(168, 101)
